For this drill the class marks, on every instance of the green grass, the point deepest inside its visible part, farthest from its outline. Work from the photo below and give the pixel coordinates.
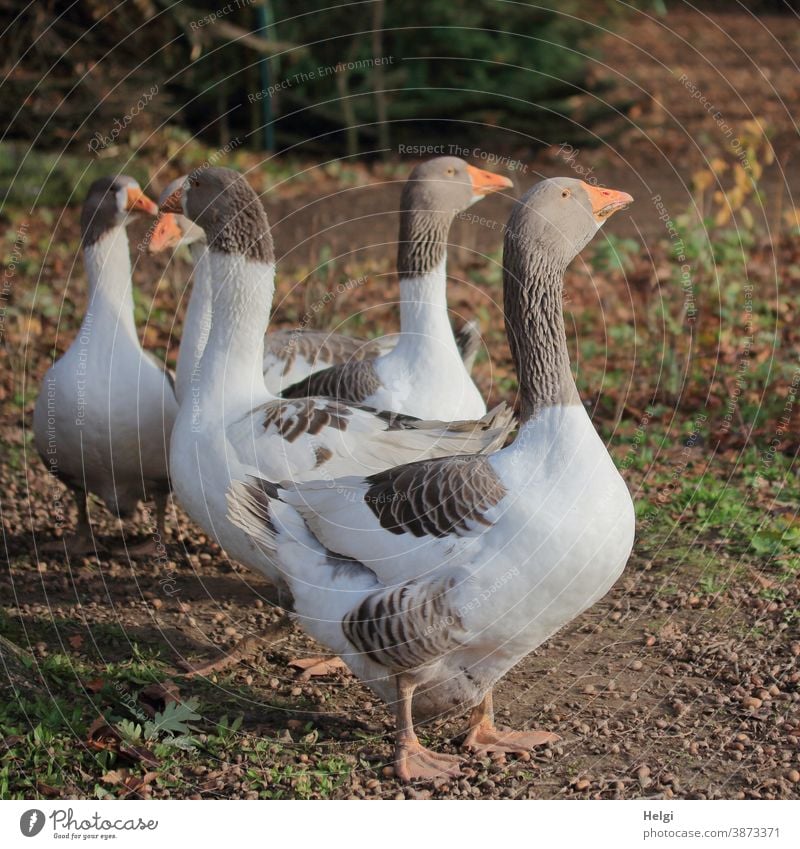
(41, 179)
(48, 752)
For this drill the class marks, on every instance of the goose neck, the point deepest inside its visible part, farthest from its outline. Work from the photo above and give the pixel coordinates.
(533, 283)
(196, 325)
(108, 270)
(422, 246)
(424, 320)
(231, 365)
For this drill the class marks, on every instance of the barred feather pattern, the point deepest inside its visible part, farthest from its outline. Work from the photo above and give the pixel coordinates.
(353, 381)
(435, 497)
(408, 626)
(532, 292)
(319, 347)
(323, 349)
(423, 237)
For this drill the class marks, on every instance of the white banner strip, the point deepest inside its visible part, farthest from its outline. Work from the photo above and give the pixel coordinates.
(613, 824)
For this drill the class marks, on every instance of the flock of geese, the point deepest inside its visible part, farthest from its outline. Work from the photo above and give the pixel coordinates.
(364, 478)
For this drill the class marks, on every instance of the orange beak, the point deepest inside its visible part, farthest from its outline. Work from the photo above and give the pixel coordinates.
(166, 233)
(139, 202)
(174, 202)
(484, 182)
(605, 202)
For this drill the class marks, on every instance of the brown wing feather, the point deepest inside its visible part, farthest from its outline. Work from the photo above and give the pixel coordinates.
(407, 626)
(305, 416)
(352, 381)
(435, 497)
(316, 346)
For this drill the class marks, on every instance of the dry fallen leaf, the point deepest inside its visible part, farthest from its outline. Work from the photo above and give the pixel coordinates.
(103, 737)
(47, 789)
(115, 776)
(132, 785)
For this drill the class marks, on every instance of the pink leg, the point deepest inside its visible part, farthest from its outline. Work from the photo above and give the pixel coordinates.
(411, 759)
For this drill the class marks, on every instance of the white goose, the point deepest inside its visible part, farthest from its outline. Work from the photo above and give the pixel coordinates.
(229, 425)
(453, 570)
(105, 410)
(289, 355)
(424, 374)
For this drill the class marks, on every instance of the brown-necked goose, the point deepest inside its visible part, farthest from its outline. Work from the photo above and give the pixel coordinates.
(433, 579)
(230, 426)
(423, 375)
(105, 410)
(289, 355)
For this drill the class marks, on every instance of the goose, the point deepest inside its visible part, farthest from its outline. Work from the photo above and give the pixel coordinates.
(229, 424)
(424, 374)
(105, 409)
(289, 355)
(433, 579)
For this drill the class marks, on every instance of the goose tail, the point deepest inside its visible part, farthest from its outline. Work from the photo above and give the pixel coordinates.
(250, 508)
(489, 433)
(468, 340)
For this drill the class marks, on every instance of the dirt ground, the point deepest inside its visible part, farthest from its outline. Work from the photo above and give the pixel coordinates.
(682, 682)
(691, 693)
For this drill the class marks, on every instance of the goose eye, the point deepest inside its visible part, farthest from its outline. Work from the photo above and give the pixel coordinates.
(451, 172)
(566, 193)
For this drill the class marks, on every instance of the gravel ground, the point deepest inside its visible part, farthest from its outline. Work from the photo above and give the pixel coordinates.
(655, 694)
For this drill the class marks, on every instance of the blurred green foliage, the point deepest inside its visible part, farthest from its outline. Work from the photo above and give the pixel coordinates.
(330, 77)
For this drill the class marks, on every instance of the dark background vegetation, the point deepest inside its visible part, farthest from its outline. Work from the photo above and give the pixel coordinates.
(449, 60)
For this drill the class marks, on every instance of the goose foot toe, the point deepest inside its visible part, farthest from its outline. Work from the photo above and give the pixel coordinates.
(412, 761)
(484, 740)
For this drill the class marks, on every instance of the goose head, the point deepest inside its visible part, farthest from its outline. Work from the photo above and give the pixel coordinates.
(173, 229)
(549, 226)
(449, 183)
(110, 203)
(435, 192)
(224, 205)
(560, 216)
